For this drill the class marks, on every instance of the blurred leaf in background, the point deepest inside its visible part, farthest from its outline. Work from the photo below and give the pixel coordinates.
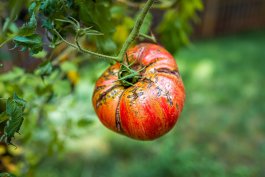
(176, 25)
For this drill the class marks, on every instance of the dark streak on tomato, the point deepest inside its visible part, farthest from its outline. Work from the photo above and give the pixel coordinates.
(154, 62)
(104, 94)
(168, 71)
(169, 100)
(135, 94)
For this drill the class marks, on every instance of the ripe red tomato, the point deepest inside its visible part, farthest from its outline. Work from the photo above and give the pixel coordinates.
(151, 106)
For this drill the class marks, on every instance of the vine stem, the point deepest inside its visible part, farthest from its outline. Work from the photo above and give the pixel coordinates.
(136, 29)
(84, 50)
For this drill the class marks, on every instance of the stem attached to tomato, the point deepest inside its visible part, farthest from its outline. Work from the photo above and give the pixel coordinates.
(136, 29)
(129, 76)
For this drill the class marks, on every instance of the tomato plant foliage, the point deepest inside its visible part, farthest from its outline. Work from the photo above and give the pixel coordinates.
(51, 15)
(14, 110)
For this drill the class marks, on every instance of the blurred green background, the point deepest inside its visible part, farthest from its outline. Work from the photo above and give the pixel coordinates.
(221, 131)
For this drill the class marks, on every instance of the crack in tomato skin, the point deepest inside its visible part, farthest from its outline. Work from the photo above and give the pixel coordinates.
(117, 115)
(149, 108)
(102, 96)
(168, 71)
(134, 94)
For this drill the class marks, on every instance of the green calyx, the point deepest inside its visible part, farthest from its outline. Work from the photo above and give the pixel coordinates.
(128, 76)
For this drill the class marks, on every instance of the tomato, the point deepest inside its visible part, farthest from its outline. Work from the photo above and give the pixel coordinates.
(148, 108)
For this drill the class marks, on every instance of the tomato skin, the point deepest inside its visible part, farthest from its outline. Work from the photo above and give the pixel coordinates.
(149, 108)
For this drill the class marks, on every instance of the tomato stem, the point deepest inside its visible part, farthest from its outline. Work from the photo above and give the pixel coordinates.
(136, 29)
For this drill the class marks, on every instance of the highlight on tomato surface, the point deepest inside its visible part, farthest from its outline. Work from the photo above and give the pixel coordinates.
(142, 97)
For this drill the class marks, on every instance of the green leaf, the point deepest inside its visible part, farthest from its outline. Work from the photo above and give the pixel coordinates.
(32, 42)
(26, 37)
(14, 109)
(27, 41)
(19, 101)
